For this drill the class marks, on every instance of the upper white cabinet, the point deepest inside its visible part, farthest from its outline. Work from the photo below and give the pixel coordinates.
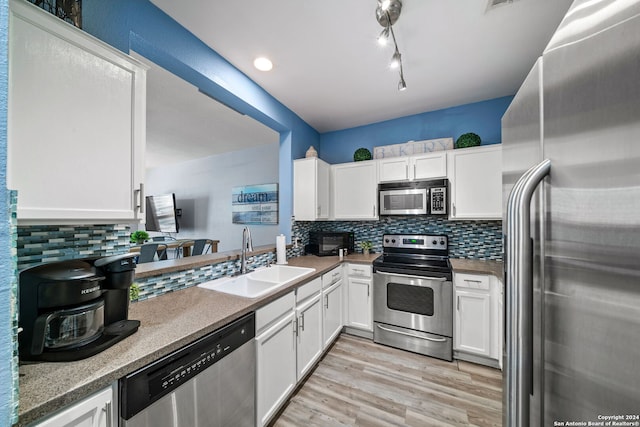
(76, 123)
(310, 189)
(475, 175)
(423, 166)
(355, 190)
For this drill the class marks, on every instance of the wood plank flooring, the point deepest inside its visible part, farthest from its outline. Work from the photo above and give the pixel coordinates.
(360, 383)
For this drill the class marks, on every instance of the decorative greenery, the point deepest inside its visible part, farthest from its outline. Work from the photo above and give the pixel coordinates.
(366, 245)
(468, 140)
(361, 154)
(139, 236)
(134, 292)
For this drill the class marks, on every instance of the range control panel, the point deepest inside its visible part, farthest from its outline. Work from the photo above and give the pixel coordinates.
(415, 241)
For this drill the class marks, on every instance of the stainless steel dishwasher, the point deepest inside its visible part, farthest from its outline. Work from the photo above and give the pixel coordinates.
(209, 383)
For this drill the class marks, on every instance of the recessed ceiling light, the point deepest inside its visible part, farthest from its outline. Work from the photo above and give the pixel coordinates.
(263, 64)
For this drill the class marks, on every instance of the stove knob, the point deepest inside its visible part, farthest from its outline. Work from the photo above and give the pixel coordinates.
(442, 242)
(393, 240)
(386, 240)
(435, 242)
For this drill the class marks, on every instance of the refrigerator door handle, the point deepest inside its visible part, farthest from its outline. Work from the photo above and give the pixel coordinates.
(519, 273)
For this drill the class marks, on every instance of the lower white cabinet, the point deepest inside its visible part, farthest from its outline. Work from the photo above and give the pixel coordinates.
(97, 410)
(275, 356)
(359, 300)
(332, 313)
(478, 324)
(309, 316)
(473, 322)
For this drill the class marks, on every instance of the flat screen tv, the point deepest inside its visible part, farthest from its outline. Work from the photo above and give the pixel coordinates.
(161, 213)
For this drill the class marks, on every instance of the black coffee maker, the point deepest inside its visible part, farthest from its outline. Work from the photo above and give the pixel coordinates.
(70, 310)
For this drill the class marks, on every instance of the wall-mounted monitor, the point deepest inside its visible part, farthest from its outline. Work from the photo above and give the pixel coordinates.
(161, 213)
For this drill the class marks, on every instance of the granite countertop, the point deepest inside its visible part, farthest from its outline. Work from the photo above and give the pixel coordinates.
(478, 266)
(168, 322)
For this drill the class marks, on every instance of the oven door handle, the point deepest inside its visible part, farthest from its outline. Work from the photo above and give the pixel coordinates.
(411, 335)
(439, 279)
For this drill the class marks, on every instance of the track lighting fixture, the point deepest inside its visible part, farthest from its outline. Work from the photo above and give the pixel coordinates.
(387, 14)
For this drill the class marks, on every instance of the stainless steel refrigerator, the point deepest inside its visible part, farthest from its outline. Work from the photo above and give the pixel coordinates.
(571, 191)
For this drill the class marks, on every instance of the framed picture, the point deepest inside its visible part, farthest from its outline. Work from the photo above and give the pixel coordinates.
(255, 204)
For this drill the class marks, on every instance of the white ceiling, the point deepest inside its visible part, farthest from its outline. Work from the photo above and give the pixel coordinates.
(183, 124)
(329, 69)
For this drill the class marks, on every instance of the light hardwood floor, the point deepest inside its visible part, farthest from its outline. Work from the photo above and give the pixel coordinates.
(360, 383)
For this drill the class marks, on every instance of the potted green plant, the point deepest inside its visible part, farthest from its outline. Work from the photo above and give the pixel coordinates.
(366, 246)
(134, 292)
(139, 237)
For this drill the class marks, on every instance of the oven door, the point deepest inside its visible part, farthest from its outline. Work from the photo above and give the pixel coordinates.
(403, 201)
(420, 303)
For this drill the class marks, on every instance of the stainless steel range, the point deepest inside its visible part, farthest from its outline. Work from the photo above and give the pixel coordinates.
(413, 295)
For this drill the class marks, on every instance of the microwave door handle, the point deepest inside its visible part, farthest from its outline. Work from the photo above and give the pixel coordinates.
(437, 279)
(519, 278)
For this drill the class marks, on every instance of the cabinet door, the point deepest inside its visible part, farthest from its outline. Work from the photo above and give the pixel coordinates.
(359, 304)
(473, 322)
(276, 368)
(94, 411)
(394, 169)
(355, 190)
(309, 345)
(476, 183)
(427, 166)
(332, 313)
(76, 123)
(310, 189)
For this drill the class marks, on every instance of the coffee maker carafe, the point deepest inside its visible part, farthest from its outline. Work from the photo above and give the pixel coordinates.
(70, 310)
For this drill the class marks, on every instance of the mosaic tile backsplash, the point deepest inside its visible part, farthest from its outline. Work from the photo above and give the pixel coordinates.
(467, 239)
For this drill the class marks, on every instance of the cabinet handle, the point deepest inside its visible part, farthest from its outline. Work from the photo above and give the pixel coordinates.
(374, 210)
(139, 194)
(368, 290)
(458, 303)
(326, 302)
(406, 171)
(318, 210)
(472, 281)
(454, 209)
(414, 171)
(107, 409)
(302, 322)
(295, 327)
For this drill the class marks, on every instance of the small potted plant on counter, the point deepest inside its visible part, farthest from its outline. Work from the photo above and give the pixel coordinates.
(366, 246)
(139, 237)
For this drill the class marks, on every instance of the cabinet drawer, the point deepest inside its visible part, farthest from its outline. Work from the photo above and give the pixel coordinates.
(472, 281)
(359, 270)
(309, 289)
(270, 313)
(331, 277)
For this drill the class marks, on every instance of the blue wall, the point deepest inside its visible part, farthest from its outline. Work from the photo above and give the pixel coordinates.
(140, 26)
(482, 118)
(6, 265)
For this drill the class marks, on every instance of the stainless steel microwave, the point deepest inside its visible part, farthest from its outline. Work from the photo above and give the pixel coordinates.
(414, 197)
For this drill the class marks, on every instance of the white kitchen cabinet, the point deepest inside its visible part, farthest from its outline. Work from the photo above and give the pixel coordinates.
(332, 305)
(97, 410)
(310, 189)
(428, 166)
(473, 322)
(76, 123)
(275, 356)
(309, 346)
(478, 324)
(359, 299)
(475, 176)
(421, 166)
(355, 190)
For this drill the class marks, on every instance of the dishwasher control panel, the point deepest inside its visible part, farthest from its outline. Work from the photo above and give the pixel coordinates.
(148, 384)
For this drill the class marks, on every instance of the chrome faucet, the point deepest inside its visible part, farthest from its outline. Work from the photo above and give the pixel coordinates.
(246, 246)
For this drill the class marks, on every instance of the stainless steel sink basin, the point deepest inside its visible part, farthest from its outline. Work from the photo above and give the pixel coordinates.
(258, 282)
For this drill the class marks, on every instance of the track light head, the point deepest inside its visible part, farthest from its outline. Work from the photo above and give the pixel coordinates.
(383, 38)
(396, 59)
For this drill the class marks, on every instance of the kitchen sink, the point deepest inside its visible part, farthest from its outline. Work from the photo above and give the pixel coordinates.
(258, 282)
